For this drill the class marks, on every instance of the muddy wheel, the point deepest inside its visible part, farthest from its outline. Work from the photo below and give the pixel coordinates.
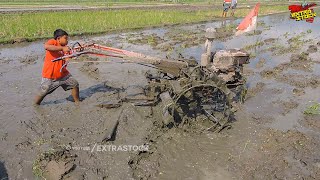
(240, 93)
(204, 100)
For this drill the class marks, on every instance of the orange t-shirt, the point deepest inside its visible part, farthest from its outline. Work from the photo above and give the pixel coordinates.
(51, 70)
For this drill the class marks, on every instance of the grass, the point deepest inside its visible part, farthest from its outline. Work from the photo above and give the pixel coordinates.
(313, 109)
(31, 26)
(101, 3)
(91, 2)
(96, 3)
(40, 141)
(253, 55)
(296, 39)
(37, 166)
(111, 3)
(37, 169)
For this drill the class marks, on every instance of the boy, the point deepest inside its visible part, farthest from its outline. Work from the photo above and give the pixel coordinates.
(226, 7)
(53, 75)
(233, 7)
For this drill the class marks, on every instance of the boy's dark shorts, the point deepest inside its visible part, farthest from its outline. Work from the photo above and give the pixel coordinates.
(49, 85)
(226, 6)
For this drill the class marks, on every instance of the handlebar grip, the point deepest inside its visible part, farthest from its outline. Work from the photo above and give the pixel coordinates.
(57, 59)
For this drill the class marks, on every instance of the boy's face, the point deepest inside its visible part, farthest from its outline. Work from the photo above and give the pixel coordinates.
(63, 40)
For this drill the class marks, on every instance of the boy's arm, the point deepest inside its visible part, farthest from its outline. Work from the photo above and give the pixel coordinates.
(50, 47)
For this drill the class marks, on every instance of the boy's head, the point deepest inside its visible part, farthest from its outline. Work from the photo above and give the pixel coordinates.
(61, 36)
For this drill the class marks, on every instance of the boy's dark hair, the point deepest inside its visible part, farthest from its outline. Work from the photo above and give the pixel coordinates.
(58, 33)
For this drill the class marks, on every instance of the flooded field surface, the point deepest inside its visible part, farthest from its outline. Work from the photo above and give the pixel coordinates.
(271, 138)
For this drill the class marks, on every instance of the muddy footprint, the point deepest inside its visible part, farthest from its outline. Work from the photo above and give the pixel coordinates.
(54, 165)
(312, 49)
(90, 69)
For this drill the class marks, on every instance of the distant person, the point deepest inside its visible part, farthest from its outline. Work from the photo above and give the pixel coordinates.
(233, 7)
(304, 4)
(226, 7)
(55, 74)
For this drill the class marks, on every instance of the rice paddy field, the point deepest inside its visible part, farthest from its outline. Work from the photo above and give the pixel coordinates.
(15, 27)
(103, 2)
(274, 133)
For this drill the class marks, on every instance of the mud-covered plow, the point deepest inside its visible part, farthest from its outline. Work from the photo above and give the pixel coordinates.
(188, 92)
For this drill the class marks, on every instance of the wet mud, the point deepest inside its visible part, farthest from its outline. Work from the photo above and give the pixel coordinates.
(261, 63)
(253, 91)
(29, 60)
(298, 92)
(312, 121)
(287, 105)
(90, 69)
(270, 136)
(299, 81)
(289, 149)
(270, 40)
(300, 62)
(312, 49)
(256, 32)
(55, 165)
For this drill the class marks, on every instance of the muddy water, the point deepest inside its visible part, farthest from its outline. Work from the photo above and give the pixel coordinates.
(271, 138)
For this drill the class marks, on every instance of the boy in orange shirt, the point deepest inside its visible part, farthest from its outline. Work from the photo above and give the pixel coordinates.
(226, 6)
(54, 74)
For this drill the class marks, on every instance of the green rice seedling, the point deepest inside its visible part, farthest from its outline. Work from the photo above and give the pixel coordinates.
(314, 109)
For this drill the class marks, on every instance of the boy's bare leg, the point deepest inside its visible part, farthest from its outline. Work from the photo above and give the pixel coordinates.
(38, 99)
(75, 94)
